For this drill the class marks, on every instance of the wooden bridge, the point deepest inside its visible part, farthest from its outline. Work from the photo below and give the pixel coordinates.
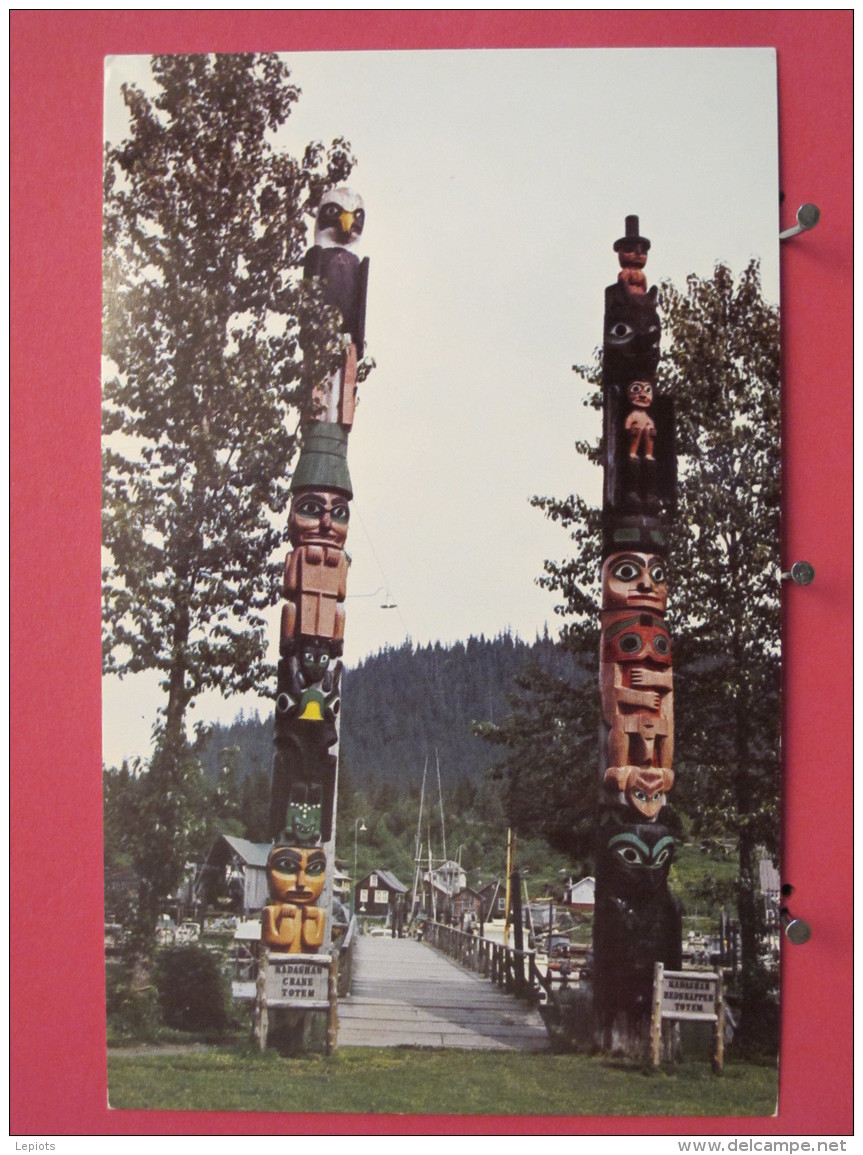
(408, 994)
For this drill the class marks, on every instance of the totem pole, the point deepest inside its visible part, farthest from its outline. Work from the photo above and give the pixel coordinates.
(637, 922)
(303, 792)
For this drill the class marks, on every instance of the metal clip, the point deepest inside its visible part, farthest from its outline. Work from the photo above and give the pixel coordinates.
(802, 573)
(808, 217)
(796, 930)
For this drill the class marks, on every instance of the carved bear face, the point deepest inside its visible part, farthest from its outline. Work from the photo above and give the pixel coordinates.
(637, 639)
(637, 857)
(632, 332)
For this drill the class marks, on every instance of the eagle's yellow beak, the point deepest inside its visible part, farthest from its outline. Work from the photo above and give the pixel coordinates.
(346, 220)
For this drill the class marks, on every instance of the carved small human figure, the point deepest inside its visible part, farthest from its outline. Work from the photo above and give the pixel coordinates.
(639, 425)
(639, 431)
(636, 690)
(632, 261)
(634, 581)
(295, 877)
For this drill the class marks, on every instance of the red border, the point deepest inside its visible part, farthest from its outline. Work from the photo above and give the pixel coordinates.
(58, 1049)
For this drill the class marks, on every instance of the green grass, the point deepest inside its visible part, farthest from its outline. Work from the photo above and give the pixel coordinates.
(434, 1082)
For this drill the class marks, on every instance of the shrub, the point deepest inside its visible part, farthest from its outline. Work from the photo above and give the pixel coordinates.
(192, 991)
(130, 1003)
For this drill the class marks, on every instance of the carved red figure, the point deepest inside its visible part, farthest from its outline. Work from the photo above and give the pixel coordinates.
(636, 690)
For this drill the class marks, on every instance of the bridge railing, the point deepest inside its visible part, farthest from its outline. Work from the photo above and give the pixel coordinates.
(510, 969)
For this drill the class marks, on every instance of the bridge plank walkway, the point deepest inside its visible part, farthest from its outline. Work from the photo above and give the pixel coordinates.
(406, 994)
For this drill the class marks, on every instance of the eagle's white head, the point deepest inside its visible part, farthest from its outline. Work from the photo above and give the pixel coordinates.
(341, 217)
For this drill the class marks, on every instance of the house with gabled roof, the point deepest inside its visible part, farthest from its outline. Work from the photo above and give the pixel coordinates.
(375, 894)
(234, 876)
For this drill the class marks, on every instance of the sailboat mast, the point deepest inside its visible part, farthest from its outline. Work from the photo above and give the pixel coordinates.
(440, 799)
(418, 843)
(431, 882)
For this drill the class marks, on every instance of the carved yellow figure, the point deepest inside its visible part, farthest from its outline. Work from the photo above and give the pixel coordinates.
(296, 880)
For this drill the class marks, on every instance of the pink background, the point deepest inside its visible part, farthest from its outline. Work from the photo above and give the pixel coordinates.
(58, 1081)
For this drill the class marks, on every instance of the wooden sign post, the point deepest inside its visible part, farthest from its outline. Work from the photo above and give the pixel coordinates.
(296, 982)
(687, 996)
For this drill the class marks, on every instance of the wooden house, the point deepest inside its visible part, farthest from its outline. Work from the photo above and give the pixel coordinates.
(580, 894)
(375, 894)
(466, 907)
(493, 896)
(234, 877)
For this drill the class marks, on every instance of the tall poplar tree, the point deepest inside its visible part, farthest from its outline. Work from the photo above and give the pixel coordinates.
(205, 223)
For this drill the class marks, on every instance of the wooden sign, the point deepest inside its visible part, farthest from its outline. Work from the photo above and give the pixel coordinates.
(298, 981)
(690, 996)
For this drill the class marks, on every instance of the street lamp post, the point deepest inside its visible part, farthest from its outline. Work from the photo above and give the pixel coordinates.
(359, 825)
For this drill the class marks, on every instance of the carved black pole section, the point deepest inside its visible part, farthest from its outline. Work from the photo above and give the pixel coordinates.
(637, 923)
(303, 793)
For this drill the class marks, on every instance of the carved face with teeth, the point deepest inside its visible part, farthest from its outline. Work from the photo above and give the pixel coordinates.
(634, 581)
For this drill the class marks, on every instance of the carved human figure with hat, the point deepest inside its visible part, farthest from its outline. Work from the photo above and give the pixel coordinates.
(632, 252)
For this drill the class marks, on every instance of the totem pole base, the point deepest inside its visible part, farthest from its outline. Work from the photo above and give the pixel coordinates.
(623, 1037)
(288, 989)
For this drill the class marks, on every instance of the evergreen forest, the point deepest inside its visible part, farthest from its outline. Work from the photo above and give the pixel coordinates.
(404, 709)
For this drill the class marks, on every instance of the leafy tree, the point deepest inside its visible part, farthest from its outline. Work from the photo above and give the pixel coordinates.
(204, 232)
(158, 816)
(722, 367)
(548, 774)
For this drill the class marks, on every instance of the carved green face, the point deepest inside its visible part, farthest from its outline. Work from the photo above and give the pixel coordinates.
(314, 662)
(303, 821)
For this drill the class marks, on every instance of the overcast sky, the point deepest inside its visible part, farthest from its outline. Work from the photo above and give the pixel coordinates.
(495, 184)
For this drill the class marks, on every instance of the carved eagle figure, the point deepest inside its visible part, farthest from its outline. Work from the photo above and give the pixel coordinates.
(339, 225)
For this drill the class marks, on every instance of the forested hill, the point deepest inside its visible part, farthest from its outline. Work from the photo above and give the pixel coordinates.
(401, 705)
